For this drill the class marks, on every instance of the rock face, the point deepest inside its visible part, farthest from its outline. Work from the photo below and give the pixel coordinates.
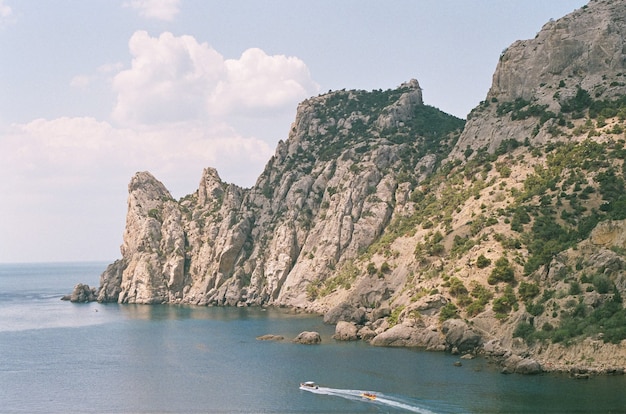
(584, 49)
(346, 331)
(406, 226)
(81, 293)
(409, 336)
(325, 196)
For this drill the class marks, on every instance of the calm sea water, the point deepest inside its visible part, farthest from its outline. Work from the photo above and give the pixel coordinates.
(61, 357)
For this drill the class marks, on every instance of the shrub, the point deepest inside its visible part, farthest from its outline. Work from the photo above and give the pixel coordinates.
(449, 311)
(393, 319)
(481, 293)
(503, 272)
(457, 287)
(602, 283)
(574, 288)
(524, 330)
(528, 290)
(578, 103)
(475, 308)
(534, 309)
(504, 303)
(482, 262)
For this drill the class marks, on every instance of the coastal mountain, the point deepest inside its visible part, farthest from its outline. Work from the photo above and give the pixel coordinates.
(405, 226)
(324, 197)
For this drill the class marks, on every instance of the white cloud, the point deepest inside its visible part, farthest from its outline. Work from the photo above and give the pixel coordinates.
(175, 113)
(102, 73)
(68, 153)
(168, 80)
(257, 81)
(175, 79)
(81, 81)
(5, 11)
(155, 9)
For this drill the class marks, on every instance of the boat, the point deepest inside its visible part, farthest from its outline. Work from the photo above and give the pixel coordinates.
(368, 395)
(308, 385)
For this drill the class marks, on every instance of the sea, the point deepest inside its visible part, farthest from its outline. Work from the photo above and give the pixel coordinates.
(61, 357)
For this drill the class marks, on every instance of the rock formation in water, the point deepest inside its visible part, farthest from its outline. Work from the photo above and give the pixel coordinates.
(507, 238)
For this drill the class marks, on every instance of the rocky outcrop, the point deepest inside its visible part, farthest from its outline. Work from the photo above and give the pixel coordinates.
(82, 293)
(583, 50)
(308, 338)
(410, 336)
(345, 312)
(270, 337)
(459, 337)
(324, 197)
(346, 331)
(519, 365)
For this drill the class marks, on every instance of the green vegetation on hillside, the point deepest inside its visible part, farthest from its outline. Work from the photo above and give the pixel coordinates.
(572, 187)
(428, 131)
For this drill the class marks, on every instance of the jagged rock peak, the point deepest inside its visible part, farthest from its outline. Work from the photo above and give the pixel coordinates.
(211, 186)
(145, 182)
(342, 112)
(585, 48)
(402, 110)
(536, 80)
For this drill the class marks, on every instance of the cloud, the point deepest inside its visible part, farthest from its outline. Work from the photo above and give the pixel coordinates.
(168, 80)
(64, 180)
(257, 81)
(155, 9)
(5, 11)
(103, 73)
(176, 78)
(180, 107)
(68, 154)
(81, 81)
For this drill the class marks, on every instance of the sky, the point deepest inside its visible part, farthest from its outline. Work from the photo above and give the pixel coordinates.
(92, 91)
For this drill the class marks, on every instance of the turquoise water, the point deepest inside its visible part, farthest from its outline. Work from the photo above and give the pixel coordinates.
(61, 357)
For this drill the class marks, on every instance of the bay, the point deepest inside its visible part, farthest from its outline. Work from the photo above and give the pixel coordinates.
(107, 358)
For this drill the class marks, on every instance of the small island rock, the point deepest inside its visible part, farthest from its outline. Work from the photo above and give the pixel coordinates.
(82, 293)
(308, 338)
(270, 337)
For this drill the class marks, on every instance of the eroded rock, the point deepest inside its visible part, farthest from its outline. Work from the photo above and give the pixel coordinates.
(308, 338)
(346, 331)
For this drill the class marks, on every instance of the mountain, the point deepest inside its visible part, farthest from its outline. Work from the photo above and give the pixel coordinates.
(324, 197)
(405, 226)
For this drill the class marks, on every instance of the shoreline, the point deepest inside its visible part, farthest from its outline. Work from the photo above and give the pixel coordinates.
(491, 350)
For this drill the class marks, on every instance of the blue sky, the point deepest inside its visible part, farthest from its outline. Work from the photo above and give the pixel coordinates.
(93, 91)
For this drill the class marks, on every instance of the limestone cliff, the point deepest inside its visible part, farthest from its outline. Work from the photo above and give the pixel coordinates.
(324, 197)
(506, 238)
(537, 80)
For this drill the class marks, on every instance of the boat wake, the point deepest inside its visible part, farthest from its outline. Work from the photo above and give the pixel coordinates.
(371, 397)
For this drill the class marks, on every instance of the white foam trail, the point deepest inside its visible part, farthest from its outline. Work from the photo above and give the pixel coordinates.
(355, 395)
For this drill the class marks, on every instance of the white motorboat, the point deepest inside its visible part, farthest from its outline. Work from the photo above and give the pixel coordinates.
(308, 385)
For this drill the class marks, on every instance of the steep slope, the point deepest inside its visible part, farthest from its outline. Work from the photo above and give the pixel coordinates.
(507, 239)
(507, 231)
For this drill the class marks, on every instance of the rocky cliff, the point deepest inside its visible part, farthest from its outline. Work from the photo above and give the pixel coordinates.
(406, 227)
(323, 199)
(537, 81)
